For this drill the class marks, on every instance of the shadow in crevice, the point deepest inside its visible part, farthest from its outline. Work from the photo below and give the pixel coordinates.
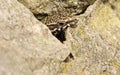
(69, 58)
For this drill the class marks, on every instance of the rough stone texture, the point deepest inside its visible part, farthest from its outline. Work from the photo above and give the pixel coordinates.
(37, 6)
(26, 45)
(51, 11)
(28, 48)
(96, 41)
(47, 6)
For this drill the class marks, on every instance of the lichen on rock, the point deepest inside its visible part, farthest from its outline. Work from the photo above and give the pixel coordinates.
(27, 46)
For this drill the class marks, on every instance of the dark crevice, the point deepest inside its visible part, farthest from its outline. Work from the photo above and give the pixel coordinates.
(60, 35)
(59, 29)
(40, 16)
(83, 10)
(69, 58)
(113, 7)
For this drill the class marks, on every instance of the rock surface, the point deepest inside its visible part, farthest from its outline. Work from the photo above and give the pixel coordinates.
(97, 41)
(27, 46)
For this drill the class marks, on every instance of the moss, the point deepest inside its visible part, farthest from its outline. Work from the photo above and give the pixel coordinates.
(104, 18)
(115, 64)
(66, 67)
(81, 70)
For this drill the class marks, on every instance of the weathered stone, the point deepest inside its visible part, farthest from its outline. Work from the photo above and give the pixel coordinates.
(26, 45)
(96, 42)
(49, 11)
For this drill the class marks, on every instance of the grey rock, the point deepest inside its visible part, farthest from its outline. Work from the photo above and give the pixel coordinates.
(26, 45)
